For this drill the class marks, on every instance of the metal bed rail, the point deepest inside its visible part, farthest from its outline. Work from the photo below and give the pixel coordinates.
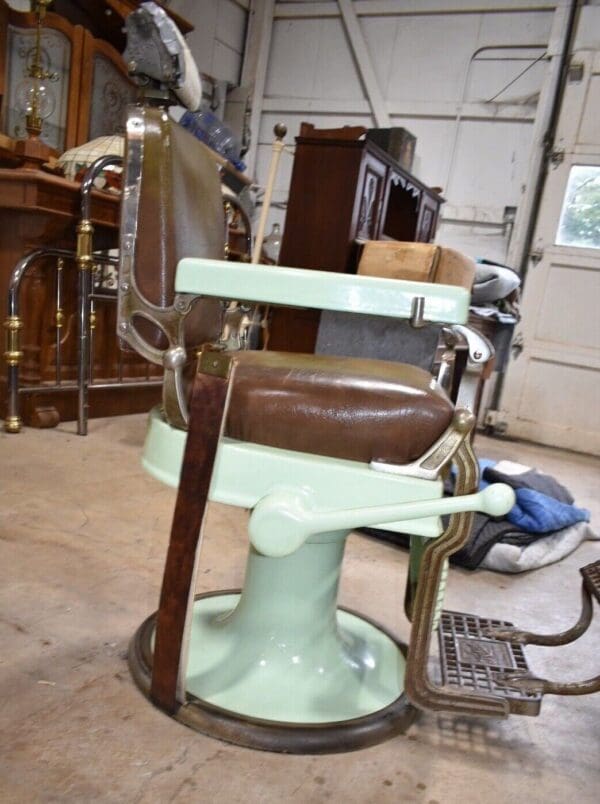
(92, 288)
(86, 322)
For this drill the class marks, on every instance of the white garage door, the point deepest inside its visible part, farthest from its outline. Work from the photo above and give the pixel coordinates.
(552, 391)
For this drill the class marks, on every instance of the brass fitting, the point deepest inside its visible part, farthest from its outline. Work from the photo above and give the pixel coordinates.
(214, 360)
(13, 424)
(13, 353)
(85, 230)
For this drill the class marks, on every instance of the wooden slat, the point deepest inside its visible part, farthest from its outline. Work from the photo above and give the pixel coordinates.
(207, 408)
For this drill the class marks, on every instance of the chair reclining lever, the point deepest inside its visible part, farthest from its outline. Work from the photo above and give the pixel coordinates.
(284, 520)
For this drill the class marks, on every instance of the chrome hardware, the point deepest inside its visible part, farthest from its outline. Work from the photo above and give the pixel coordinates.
(417, 320)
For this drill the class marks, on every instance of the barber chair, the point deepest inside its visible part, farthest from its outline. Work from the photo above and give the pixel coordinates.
(314, 446)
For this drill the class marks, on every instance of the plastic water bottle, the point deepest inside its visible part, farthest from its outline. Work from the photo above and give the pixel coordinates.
(208, 128)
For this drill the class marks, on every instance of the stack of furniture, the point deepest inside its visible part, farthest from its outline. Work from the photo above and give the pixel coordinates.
(91, 89)
(343, 191)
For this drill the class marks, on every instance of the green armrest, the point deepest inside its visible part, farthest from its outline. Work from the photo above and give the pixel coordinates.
(322, 290)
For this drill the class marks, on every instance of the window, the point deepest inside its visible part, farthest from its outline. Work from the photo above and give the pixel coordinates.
(579, 223)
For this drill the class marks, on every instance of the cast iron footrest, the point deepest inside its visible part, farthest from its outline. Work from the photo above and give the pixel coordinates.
(591, 578)
(476, 663)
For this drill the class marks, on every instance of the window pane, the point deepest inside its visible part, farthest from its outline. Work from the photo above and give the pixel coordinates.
(580, 216)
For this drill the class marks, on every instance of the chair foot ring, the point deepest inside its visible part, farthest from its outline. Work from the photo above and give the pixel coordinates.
(269, 735)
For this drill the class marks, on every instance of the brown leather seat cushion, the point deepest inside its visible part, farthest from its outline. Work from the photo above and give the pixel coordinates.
(361, 410)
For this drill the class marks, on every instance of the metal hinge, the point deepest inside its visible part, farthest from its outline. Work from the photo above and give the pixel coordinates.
(557, 157)
(517, 345)
(535, 255)
(495, 421)
(576, 72)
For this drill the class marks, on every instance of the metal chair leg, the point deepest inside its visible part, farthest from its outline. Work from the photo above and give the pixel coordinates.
(525, 683)
(518, 637)
(419, 688)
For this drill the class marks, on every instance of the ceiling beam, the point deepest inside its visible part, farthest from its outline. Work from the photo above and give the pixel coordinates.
(364, 64)
(394, 8)
(522, 113)
(254, 68)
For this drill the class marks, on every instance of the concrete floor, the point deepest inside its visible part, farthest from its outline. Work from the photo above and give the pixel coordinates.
(82, 545)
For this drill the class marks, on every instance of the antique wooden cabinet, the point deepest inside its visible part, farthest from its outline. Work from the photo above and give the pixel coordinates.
(89, 82)
(344, 191)
(90, 89)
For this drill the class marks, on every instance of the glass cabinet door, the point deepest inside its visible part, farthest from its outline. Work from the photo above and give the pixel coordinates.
(111, 93)
(56, 60)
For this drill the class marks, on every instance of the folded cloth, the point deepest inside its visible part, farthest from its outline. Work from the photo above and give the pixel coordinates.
(539, 513)
(542, 504)
(543, 514)
(493, 282)
(520, 476)
(486, 533)
(511, 557)
(490, 310)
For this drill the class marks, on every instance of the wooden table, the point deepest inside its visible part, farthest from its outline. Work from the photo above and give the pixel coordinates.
(38, 209)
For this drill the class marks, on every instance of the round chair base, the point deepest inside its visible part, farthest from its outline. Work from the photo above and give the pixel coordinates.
(274, 735)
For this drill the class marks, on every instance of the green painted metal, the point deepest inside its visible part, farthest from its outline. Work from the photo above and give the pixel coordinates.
(287, 517)
(282, 652)
(321, 290)
(246, 473)
(297, 496)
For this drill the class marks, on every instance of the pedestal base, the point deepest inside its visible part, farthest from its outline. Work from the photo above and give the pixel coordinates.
(290, 694)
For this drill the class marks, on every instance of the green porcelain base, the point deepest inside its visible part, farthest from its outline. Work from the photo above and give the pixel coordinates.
(333, 671)
(337, 688)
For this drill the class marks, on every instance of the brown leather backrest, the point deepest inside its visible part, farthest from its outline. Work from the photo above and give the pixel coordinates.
(180, 214)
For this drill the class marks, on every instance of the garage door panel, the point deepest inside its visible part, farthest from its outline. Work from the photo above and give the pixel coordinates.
(573, 293)
(562, 395)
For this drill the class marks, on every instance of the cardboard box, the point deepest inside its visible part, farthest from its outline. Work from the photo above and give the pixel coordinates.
(399, 143)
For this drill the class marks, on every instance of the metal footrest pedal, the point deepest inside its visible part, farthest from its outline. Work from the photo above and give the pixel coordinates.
(591, 578)
(479, 664)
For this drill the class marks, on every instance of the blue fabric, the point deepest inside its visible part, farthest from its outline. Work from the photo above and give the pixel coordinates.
(535, 512)
(484, 463)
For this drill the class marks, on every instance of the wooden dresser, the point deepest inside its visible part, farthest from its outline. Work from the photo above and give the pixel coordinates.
(343, 191)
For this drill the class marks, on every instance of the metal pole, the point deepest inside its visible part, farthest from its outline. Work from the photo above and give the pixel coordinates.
(280, 131)
(13, 325)
(85, 263)
(565, 29)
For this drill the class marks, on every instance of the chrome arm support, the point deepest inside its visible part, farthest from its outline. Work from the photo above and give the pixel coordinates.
(466, 346)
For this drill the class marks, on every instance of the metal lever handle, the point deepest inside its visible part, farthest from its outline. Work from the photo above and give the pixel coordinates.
(284, 520)
(480, 349)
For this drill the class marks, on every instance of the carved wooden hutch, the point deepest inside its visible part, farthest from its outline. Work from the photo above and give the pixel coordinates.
(343, 191)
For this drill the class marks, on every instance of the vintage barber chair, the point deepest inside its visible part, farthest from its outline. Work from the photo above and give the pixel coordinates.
(314, 446)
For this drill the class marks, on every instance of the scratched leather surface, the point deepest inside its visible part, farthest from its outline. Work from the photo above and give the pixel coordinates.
(180, 214)
(361, 410)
